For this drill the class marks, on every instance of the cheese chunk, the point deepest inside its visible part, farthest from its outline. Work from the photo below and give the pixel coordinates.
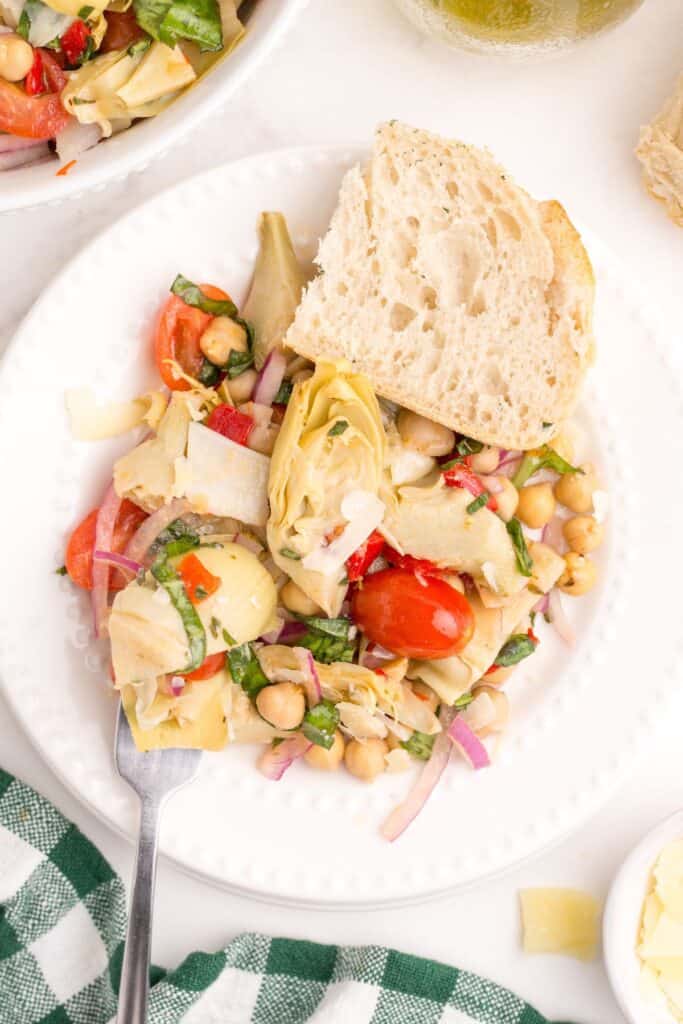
(560, 921)
(661, 932)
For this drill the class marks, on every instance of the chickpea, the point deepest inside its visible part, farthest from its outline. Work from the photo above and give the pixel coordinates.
(326, 760)
(16, 57)
(501, 706)
(293, 598)
(365, 760)
(485, 461)
(580, 575)
(222, 337)
(241, 387)
(426, 694)
(583, 534)
(575, 490)
(424, 435)
(536, 505)
(500, 676)
(507, 499)
(282, 704)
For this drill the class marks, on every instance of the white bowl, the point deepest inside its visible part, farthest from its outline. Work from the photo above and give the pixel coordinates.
(115, 158)
(621, 923)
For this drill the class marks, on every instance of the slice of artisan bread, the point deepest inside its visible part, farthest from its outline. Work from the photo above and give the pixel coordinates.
(456, 293)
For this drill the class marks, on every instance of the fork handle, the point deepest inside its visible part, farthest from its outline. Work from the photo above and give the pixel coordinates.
(134, 987)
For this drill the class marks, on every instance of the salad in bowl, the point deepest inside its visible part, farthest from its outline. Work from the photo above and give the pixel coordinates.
(290, 559)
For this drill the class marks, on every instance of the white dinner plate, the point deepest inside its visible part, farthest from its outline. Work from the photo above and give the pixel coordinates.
(579, 717)
(132, 150)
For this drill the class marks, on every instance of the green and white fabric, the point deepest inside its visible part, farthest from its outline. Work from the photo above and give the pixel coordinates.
(62, 923)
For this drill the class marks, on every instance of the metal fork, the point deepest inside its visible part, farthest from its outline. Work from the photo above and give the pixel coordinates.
(154, 776)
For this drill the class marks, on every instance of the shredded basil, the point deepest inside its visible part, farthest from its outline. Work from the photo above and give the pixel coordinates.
(79, 101)
(238, 362)
(465, 446)
(139, 46)
(544, 457)
(478, 503)
(522, 556)
(339, 427)
(24, 25)
(546, 424)
(166, 575)
(214, 626)
(85, 13)
(229, 639)
(284, 393)
(56, 45)
(339, 628)
(177, 531)
(192, 295)
(320, 723)
(419, 745)
(208, 375)
(464, 701)
(514, 650)
(171, 20)
(200, 592)
(288, 553)
(246, 670)
(328, 640)
(62, 571)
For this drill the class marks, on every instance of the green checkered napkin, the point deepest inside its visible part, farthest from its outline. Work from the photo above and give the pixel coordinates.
(62, 922)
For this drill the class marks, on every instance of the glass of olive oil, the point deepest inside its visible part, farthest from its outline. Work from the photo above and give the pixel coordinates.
(516, 27)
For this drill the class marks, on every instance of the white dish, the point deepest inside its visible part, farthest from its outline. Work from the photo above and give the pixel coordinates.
(578, 720)
(132, 150)
(621, 924)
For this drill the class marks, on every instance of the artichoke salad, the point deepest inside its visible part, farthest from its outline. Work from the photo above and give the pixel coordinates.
(286, 559)
(72, 74)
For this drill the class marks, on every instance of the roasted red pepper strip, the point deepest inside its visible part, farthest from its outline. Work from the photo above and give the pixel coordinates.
(197, 580)
(462, 476)
(34, 83)
(231, 423)
(420, 566)
(212, 663)
(75, 40)
(361, 560)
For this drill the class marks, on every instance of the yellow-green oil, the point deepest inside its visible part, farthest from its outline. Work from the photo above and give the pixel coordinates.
(532, 21)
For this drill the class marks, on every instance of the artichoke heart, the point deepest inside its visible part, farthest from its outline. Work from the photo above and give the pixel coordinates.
(432, 522)
(196, 719)
(147, 474)
(324, 480)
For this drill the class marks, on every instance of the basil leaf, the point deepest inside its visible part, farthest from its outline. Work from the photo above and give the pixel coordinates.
(329, 627)
(208, 374)
(522, 556)
(214, 626)
(284, 393)
(516, 649)
(192, 295)
(478, 503)
(139, 46)
(198, 20)
(175, 531)
(339, 428)
(464, 701)
(62, 571)
(327, 649)
(246, 670)
(544, 457)
(288, 553)
(238, 362)
(465, 446)
(169, 579)
(24, 25)
(56, 45)
(320, 723)
(85, 13)
(229, 638)
(419, 745)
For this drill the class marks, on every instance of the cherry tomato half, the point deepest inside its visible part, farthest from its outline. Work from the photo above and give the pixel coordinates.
(212, 664)
(81, 545)
(177, 337)
(35, 117)
(415, 618)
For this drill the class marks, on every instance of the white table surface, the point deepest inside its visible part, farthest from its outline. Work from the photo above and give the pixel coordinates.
(566, 129)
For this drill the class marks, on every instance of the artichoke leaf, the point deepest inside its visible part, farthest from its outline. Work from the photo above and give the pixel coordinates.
(162, 70)
(276, 287)
(147, 474)
(432, 522)
(195, 719)
(325, 475)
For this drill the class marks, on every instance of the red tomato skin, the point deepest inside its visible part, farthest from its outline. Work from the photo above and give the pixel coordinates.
(462, 476)
(361, 560)
(75, 40)
(231, 423)
(34, 83)
(211, 664)
(122, 30)
(79, 550)
(414, 618)
(34, 117)
(177, 335)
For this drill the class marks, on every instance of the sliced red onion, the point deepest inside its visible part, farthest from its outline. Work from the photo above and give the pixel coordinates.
(273, 635)
(104, 535)
(552, 534)
(468, 743)
(508, 465)
(275, 761)
(75, 139)
(148, 532)
(374, 656)
(176, 685)
(118, 560)
(270, 378)
(492, 484)
(541, 606)
(406, 812)
(10, 143)
(559, 620)
(311, 680)
(250, 543)
(23, 157)
(291, 632)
